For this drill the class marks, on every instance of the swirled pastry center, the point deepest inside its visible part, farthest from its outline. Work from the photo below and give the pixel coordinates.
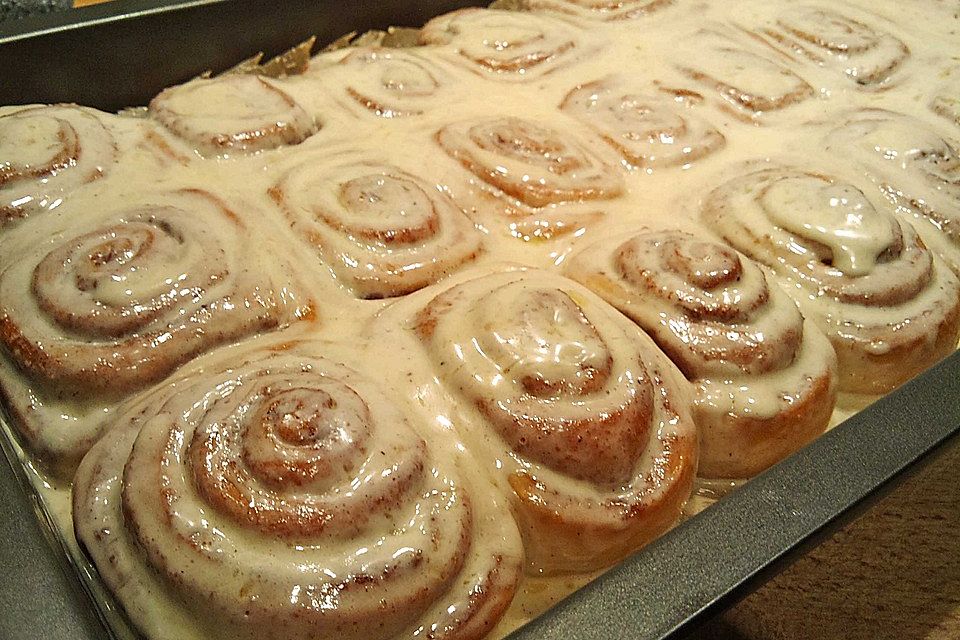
(545, 342)
(391, 83)
(836, 215)
(509, 47)
(117, 279)
(706, 279)
(563, 384)
(830, 31)
(407, 80)
(647, 129)
(314, 430)
(660, 126)
(297, 435)
(528, 143)
(508, 44)
(35, 145)
(247, 99)
(916, 149)
(385, 208)
(703, 264)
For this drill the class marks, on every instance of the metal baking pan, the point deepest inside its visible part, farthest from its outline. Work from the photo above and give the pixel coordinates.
(122, 53)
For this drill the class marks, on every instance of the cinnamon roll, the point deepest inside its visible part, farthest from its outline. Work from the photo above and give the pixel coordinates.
(47, 152)
(528, 172)
(239, 113)
(384, 231)
(607, 10)
(946, 100)
(827, 38)
(582, 420)
(888, 305)
(648, 129)
(916, 168)
(764, 378)
(391, 83)
(112, 306)
(506, 45)
(746, 85)
(280, 493)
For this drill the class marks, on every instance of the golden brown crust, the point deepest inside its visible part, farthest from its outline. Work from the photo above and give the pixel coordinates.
(626, 526)
(743, 446)
(862, 371)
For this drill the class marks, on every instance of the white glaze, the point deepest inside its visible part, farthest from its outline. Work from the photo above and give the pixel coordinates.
(664, 48)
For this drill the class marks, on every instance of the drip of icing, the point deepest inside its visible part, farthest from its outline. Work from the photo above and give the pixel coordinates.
(551, 340)
(833, 214)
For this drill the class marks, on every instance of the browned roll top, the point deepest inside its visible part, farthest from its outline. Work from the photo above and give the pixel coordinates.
(764, 379)
(597, 444)
(324, 510)
(48, 152)
(889, 306)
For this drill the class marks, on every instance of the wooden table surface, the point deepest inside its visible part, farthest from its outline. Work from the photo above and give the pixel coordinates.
(892, 574)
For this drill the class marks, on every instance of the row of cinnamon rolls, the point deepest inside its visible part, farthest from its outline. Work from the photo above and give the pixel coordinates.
(385, 231)
(750, 67)
(113, 305)
(289, 485)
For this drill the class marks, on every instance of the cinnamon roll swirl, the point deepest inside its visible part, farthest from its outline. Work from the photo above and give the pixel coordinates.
(747, 85)
(579, 416)
(916, 168)
(946, 100)
(606, 10)
(385, 232)
(282, 494)
(764, 378)
(506, 45)
(392, 83)
(528, 172)
(47, 152)
(239, 113)
(112, 306)
(827, 38)
(648, 129)
(888, 305)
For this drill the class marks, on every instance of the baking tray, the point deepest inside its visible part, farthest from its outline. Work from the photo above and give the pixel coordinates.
(122, 53)
(14, 9)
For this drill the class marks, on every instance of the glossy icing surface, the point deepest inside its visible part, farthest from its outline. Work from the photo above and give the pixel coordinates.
(364, 345)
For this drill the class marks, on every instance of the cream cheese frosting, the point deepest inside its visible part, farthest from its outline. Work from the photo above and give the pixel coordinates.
(400, 233)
